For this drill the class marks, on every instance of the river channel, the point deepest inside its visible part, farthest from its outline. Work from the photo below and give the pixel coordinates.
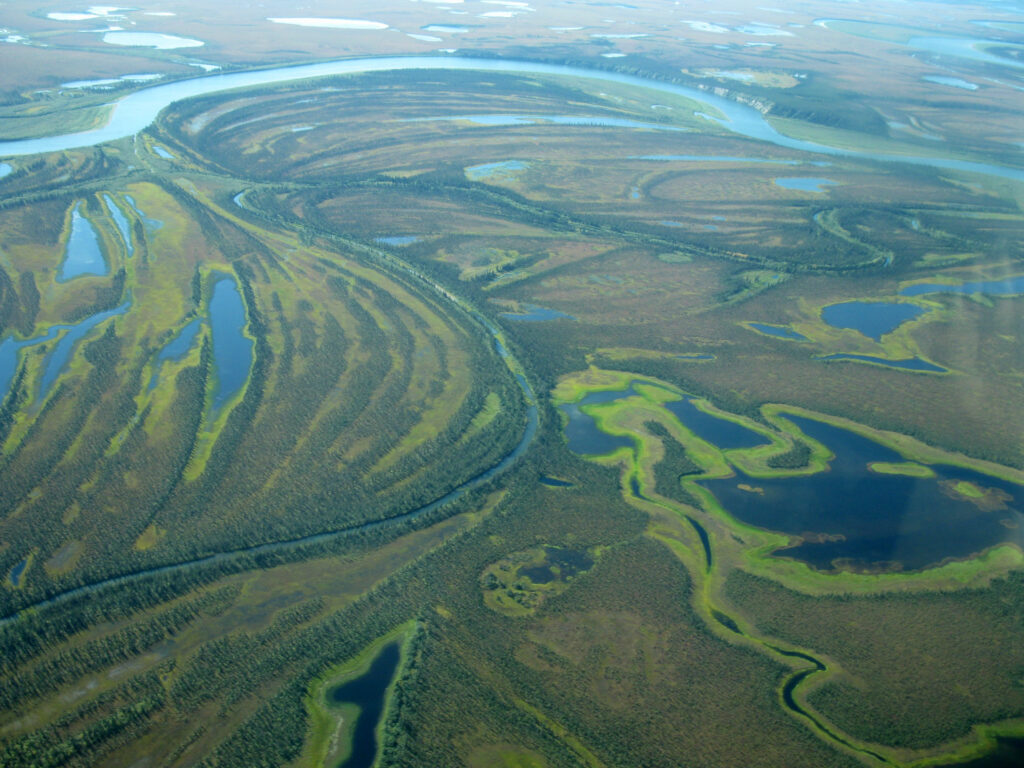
(138, 110)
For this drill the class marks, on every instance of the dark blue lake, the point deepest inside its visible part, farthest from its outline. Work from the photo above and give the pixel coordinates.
(1005, 287)
(232, 349)
(83, 255)
(176, 347)
(872, 318)
(720, 432)
(61, 353)
(582, 432)
(851, 517)
(780, 331)
(910, 364)
(368, 693)
(122, 224)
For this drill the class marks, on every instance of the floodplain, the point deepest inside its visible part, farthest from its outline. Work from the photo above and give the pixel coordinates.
(604, 398)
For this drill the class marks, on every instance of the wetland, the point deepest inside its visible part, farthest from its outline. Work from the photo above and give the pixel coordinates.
(444, 409)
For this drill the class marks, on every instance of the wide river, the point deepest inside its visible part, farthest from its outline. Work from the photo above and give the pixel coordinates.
(136, 111)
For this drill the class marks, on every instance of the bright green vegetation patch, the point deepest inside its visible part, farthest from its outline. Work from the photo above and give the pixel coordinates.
(969, 489)
(907, 468)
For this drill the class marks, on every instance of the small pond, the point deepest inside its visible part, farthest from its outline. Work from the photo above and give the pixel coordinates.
(161, 152)
(83, 255)
(872, 318)
(582, 432)
(850, 516)
(534, 314)
(554, 482)
(489, 170)
(721, 432)
(5, 169)
(909, 364)
(150, 40)
(122, 224)
(779, 331)
(368, 693)
(398, 240)
(804, 183)
(176, 347)
(1008, 286)
(17, 570)
(561, 564)
(232, 349)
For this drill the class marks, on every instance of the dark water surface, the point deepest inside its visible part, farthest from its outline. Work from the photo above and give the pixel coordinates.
(176, 347)
(866, 520)
(872, 318)
(9, 354)
(232, 349)
(1005, 287)
(721, 432)
(582, 432)
(61, 353)
(17, 570)
(1008, 753)
(909, 364)
(554, 482)
(779, 331)
(367, 692)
